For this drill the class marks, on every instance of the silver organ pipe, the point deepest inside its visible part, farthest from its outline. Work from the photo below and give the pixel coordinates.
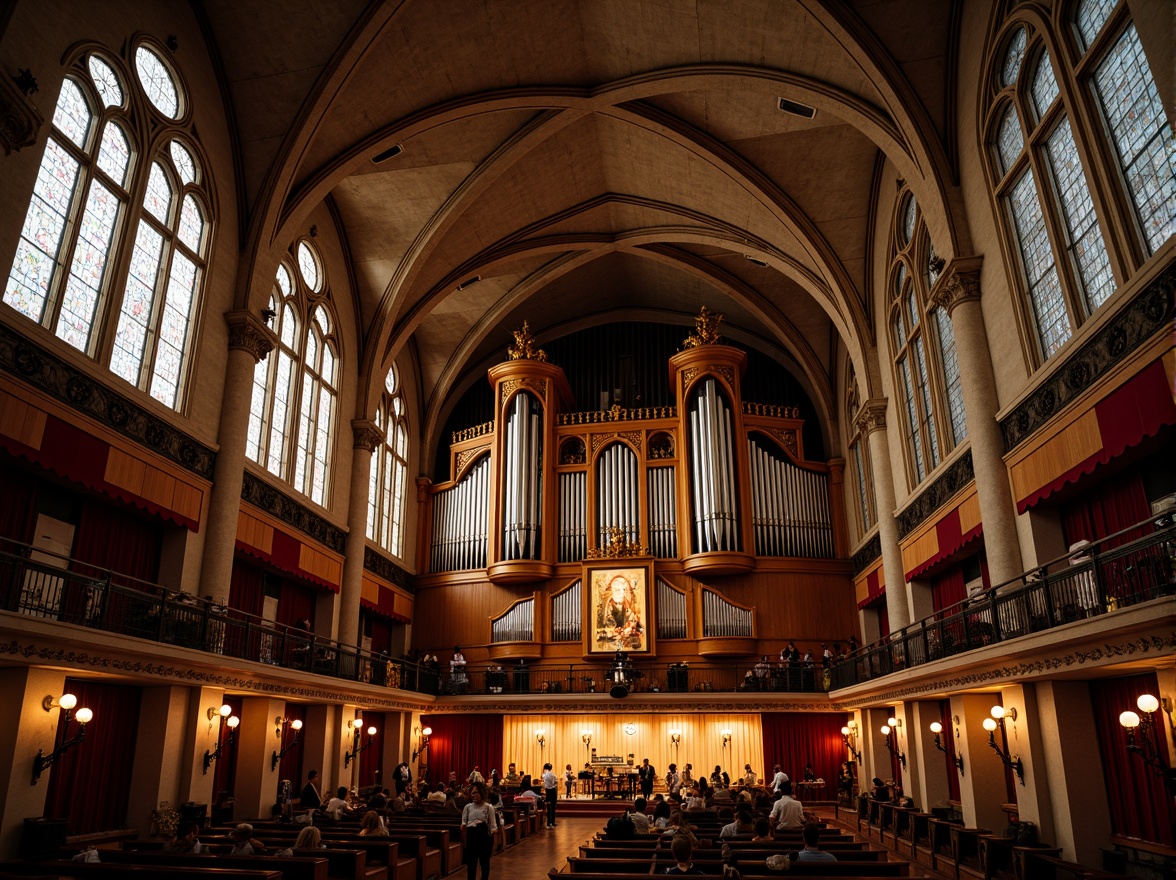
(522, 487)
(565, 614)
(790, 505)
(721, 619)
(618, 500)
(460, 522)
(714, 505)
(663, 516)
(671, 612)
(573, 516)
(516, 625)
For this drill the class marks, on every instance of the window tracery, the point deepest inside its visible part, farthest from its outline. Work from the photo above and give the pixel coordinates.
(388, 482)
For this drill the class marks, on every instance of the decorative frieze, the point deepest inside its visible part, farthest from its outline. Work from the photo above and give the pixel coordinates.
(958, 475)
(277, 504)
(383, 567)
(867, 554)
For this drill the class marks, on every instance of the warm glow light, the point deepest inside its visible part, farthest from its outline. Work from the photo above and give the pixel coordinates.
(225, 710)
(1129, 720)
(852, 724)
(585, 732)
(936, 727)
(998, 712)
(886, 730)
(845, 731)
(542, 731)
(233, 721)
(989, 724)
(1146, 703)
(428, 731)
(893, 722)
(372, 730)
(68, 701)
(726, 732)
(296, 724)
(357, 723)
(675, 732)
(85, 716)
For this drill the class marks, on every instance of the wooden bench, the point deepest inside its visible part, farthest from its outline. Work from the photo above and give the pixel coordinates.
(380, 852)
(133, 872)
(291, 868)
(1035, 864)
(965, 849)
(612, 867)
(997, 855)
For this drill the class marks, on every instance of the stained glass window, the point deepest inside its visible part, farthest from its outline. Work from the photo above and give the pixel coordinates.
(1037, 258)
(858, 455)
(1091, 16)
(951, 376)
(136, 314)
(1045, 85)
(308, 266)
(115, 153)
(1009, 141)
(191, 223)
(158, 198)
(908, 219)
(185, 164)
(106, 81)
(90, 258)
(388, 484)
(157, 82)
(1014, 56)
(72, 116)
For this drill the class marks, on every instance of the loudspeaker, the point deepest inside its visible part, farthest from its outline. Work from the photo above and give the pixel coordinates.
(619, 691)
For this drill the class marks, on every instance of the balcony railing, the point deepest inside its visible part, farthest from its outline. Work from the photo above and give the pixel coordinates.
(1097, 580)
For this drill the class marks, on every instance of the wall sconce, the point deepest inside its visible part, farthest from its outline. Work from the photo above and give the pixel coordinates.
(84, 716)
(356, 748)
(937, 729)
(422, 741)
(849, 738)
(232, 721)
(213, 713)
(586, 739)
(675, 740)
(999, 713)
(891, 745)
(295, 725)
(726, 737)
(1148, 746)
(541, 737)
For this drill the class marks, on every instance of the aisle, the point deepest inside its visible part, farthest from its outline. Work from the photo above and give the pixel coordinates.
(536, 855)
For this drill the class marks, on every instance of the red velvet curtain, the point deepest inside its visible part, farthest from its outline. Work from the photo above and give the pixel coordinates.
(793, 739)
(948, 588)
(381, 634)
(371, 759)
(1139, 805)
(246, 590)
(290, 767)
(109, 537)
(948, 740)
(90, 785)
(1105, 509)
(461, 742)
(224, 769)
(295, 603)
(18, 512)
(883, 620)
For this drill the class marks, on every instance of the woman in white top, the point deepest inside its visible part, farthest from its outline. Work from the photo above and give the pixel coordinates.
(479, 822)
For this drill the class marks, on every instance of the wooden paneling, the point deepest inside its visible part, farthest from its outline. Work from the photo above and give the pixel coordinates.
(254, 532)
(923, 544)
(327, 566)
(20, 421)
(970, 512)
(459, 614)
(132, 473)
(861, 585)
(1069, 446)
(702, 741)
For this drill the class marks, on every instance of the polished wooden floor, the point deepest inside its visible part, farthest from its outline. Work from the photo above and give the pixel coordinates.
(539, 853)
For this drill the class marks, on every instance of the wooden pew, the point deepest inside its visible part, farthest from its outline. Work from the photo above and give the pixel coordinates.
(610, 867)
(291, 868)
(997, 855)
(344, 864)
(1036, 864)
(381, 852)
(101, 871)
(965, 850)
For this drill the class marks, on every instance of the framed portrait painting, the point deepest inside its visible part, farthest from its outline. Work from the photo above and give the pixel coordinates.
(619, 607)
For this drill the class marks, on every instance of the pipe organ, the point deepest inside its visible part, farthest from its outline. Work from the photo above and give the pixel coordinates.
(517, 624)
(565, 614)
(790, 505)
(522, 480)
(724, 619)
(459, 521)
(671, 612)
(617, 493)
(714, 507)
(573, 516)
(663, 519)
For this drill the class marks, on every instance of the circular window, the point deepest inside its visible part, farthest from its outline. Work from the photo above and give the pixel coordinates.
(157, 82)
(308, 266)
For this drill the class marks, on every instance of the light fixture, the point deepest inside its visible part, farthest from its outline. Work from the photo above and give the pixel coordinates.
(1148, 745)
(296, 726)
(41, 762)
(675, 737)
(849, 738)
(422, 741)
(726, 737)
(231, 722)
(958, 760)
(356, 747)
(541, 737)
(586, 739)
(891, 746)
(999, 714)
(222, 712)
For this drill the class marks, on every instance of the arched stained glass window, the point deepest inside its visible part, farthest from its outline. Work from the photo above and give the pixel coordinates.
(109, 229)
(388, 483)
(295, 389)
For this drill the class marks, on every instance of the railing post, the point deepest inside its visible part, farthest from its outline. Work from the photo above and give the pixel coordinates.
(1100, 593)
(996, 633)
(162, 622)
(1047, 595)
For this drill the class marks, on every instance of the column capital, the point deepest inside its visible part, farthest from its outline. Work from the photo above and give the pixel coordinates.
(247, 332)
(960, 283)
(872, 416)
(367, 434)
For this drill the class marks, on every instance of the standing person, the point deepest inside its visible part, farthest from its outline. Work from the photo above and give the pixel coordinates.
(778, 780)
(479, 822)
(475, 776)
(569, 781)
(645, 775)
(673, 781)
(550, 792)
(402, 778)
(311, 800)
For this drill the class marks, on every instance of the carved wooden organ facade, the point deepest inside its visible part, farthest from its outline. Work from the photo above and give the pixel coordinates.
(709, 487)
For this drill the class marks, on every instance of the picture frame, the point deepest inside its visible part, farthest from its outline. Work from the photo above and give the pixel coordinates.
(619, 612)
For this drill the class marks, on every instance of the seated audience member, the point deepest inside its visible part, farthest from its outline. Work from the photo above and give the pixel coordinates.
(743, 824)
(377, 801)
(187, 839)
(683, 851)
(308, 838)
(336, 807)
(372, 825)
(398, 805)
(437, 795)
(639, 817)
(812, 852)
(787, 812)
(661, 815)
(763, 830)
(512, 774)
(695, 801)
(528, 798)
(243, 842)
(880, 792)
(723, 796)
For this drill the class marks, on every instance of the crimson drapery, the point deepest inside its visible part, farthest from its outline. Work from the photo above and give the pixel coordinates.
(948, 588)
(18, 512)
(246, 589)
(1138, 803)
(371, 759)
(295, 603)
(883, 620)
(793, 739)
(948, 740)
(461, 742)
(124, 542)
(1103, 510)
(381, 634)
(224, 769)
(290, 766)
(90, 785)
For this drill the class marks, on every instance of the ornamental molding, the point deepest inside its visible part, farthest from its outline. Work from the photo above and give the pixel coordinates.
(465, 456)
(961, 283)
(36, 366)
(872, 416)
(247, 332)
(383, 567)
(634, 438)
(867, 555)
(1151, 310)
(510, 386)
(19, 120)
(957, 476)
(367, 434)
(281, 506)
(723, 370)
(786, 437)
(632, 704)
(1141, 647)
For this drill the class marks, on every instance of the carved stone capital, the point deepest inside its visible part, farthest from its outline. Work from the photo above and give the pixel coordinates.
(961, 283)
(872, 416)
(367, 434)
(248, 332)
(19, 120)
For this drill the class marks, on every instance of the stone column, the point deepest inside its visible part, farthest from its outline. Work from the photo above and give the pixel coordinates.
(929, 784)
(368, 438)
(872, 425)
(982, 787)
(162, 761)
(256, 789)
(250, 340)
(959, 295)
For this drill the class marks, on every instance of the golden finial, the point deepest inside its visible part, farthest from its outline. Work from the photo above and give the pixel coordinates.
(617, 546)
(706, 329)
(524, 348)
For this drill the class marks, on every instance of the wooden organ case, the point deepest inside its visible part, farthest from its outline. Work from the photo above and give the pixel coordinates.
(713, 487)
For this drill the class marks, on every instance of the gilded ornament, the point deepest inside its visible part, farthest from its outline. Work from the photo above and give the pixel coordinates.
(706, 329)
(617, 547)
(524, 346)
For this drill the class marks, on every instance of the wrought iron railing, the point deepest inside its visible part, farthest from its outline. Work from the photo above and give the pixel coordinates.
(1107, 575)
